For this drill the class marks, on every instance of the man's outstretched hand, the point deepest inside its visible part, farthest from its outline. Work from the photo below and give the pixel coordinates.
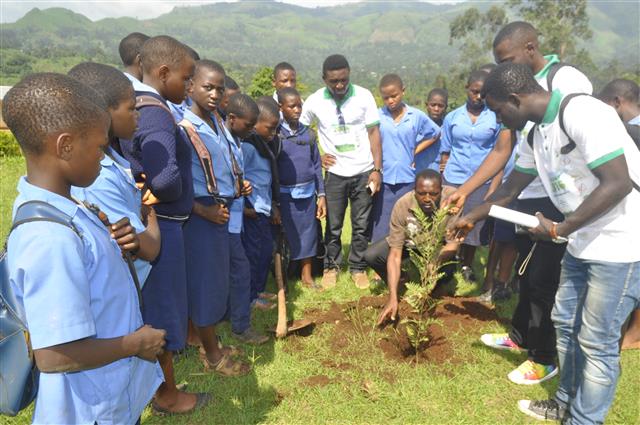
(459, 228)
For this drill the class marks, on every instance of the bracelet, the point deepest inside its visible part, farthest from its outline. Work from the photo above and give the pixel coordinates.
(553, 232)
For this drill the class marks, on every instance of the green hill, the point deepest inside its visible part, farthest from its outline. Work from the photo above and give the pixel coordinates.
(409, 38)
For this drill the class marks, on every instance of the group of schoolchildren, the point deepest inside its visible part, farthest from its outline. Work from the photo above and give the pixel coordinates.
(196, 181)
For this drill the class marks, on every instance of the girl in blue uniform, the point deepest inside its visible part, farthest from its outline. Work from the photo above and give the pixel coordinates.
(302, 198)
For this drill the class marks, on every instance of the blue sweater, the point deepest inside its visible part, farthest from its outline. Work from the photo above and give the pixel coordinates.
(161, 151)
(299, 160)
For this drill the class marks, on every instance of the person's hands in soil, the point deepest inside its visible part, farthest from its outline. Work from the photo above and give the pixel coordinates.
(321, 208)
(543, 230)
(459, 228)
(276, 218)
(125, 235)
(327, 161)
(376, 178)
(389, 312)
(246, 188)
(250, 213)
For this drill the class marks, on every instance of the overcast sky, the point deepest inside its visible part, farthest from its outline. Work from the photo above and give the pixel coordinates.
(12, 10)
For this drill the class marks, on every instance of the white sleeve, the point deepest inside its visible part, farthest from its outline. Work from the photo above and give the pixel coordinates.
(307, 116)
(371, 116)
(525, 161)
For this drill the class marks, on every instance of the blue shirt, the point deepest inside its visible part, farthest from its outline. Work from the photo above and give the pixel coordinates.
(257, 170)
(634, 121)
(117, 195)
(178, 109)
(237, 207)
(399, 142)
(220, 157)
(139, 85)
(467, 143)
(70, 288)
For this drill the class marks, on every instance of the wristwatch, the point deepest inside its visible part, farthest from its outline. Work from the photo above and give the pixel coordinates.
(379, 170)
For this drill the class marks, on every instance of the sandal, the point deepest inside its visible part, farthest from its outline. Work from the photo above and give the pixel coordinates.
(229, 350)
(202, 399)
(268, 296)
(226, 366)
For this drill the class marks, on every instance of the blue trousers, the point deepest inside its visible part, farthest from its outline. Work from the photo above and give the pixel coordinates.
(257, 240)
(239, 286)
(383, 204)
(593, 301)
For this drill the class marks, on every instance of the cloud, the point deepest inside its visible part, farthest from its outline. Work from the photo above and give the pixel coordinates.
(12, 10)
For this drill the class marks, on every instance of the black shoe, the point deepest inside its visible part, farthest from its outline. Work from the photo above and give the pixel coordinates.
(500, 292)
(544, 410)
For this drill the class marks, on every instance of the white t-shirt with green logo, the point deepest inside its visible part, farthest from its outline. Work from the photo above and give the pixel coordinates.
(568, 80)
(342, 127)
(566, 174)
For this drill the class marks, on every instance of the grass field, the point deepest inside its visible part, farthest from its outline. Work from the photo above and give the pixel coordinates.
(305, 380)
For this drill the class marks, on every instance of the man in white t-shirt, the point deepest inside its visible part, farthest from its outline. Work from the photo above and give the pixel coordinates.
(532, 329)
(589, 168)
(347, 120)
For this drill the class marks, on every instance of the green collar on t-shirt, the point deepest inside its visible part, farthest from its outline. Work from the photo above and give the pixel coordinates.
(552, 108)
(551, 59)
(350, 91)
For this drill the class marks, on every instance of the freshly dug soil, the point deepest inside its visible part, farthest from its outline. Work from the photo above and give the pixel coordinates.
(353, 327)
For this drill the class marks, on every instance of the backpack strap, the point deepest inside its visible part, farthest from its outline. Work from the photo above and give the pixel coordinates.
(146, 100)
(32, 211)
(204, 156)
(530, 135)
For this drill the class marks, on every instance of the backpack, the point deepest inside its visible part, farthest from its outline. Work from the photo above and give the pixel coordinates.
(18, 371)
(572, 144)
(553, 70)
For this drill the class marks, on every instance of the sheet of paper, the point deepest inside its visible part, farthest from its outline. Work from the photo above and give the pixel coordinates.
(513, 216)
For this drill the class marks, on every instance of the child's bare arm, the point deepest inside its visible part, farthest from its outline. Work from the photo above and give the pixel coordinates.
(150, 238)
(90, 353)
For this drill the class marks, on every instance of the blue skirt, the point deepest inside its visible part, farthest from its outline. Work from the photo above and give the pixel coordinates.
(207, 249)
(383, 203)
(165, 291)
(299, 221)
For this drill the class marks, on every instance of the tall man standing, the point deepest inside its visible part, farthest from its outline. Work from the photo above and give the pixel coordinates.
(347, 120)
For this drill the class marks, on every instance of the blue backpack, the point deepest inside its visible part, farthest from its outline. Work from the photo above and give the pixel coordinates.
(18, 371)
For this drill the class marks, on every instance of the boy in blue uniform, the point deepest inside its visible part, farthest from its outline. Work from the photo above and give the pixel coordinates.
(160, 157)
(115, 190)
(261, 206)
(75, 292)
(402, 129)
(428, 152)
(206, 231)
(242, 116)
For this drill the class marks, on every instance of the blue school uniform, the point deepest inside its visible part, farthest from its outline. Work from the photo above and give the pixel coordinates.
(239, 268)
(117, 195)
(399, 142)
(70, 288)
(300, 176)
(257, 237)
(139, 86)
(468, 143)
(161, 151)
(207, 243)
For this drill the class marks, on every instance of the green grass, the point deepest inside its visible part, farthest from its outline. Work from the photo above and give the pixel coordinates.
(372, 389)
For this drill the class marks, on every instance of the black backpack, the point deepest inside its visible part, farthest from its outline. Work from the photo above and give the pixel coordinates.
(18, 371)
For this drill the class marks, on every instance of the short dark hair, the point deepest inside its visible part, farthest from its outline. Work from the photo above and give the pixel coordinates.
(334, 62)
(242, 106)
(620, 87)
(45, 103)
(209, 65)
(391, 80)
(510, 78)
(230, 83)
(439, 92)
(268, 107)
(109, 82)
(477, 75)
(287, 92)
(429, 174)
(518, 31)
(130, 47)
(282, 66)
(163, 50)
(192, 52)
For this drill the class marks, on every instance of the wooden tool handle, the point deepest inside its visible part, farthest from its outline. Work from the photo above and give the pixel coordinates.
(281, 327)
